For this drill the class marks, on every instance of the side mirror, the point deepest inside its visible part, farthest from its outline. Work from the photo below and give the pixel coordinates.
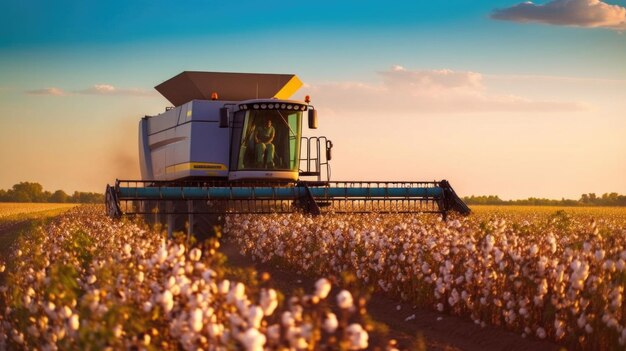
(223, 117)
(312, 118)
(329, 148)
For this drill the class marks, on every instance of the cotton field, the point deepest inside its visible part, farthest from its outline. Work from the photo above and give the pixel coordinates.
(543, 273)
(86, 282)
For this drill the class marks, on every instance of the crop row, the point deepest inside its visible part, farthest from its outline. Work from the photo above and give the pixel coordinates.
(86, 282)
(550, 275)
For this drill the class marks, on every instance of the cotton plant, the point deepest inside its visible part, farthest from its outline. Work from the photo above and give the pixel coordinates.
(555, 276)
(87, 282)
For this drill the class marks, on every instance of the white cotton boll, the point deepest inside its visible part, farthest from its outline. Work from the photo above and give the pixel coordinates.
(581, 321)
(223, 287)
(425, 268)
(255, 316)
(552, 243)
(215, 329)
(179, 250)
(252, 340)
(91, 279)
(489, 242)
(74, 322)
(534, 249)
(117, 331)
(140, 276)
(599, 254)
(287, 319)
(147, 306)
(268, 301)
(542, 288)
(208, 275)
(273, 332)
(195, 320)
(167, 301)
(498, 255)
(127, 249)
(195, 254)
(440, 307)
(171, 281)
(620, 265)
(161, 255)
(66, 312)
(357, 337)
(330, 323)
(586, 247)
(575, 265)
(344, 299)
(236, 293)
(322, 288)
(541, 333)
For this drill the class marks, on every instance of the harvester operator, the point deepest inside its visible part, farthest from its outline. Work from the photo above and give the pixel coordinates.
(263, 138)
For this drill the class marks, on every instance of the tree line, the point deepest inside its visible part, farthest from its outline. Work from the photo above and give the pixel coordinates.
(33, 192)
(590, 199)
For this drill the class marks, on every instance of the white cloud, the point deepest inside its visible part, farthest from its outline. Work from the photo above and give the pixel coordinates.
(107, 89)
(579, 13)
(439, 91)
(47, 91)
(96, 89)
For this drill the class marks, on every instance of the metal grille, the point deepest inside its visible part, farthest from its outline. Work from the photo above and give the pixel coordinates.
(198, 197)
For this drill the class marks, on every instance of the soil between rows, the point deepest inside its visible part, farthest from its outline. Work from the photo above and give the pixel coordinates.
(437, 331)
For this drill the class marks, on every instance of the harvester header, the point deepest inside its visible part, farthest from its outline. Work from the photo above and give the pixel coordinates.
(233, 143)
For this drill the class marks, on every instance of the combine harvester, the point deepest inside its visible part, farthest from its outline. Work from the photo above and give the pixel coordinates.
(234, 144)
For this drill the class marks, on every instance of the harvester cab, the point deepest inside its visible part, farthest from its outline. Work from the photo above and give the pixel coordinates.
(219, 131)
(233, 144)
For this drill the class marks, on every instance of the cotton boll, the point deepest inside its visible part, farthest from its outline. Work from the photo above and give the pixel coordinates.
(74, 323)
(195, 320)
(273, 332)
(287, 319)
(322, 288)
(255, 316)
(167, 301)
(357, 337)
(344, 299)
(330, 323)
(195, 254)
(252, 340)
(268, 301)
(541, 333)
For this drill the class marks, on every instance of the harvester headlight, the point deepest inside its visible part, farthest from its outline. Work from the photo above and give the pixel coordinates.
(303, 108)
(256, 106)
(283, 106)
(270, 105)
(263, 106)
(289, 107)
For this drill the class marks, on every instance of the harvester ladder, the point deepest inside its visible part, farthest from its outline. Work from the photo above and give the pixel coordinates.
(312, 160)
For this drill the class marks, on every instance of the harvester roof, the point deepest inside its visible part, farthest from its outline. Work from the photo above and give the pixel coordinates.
(190, 85)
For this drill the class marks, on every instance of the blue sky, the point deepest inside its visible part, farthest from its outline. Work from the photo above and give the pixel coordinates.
(57, 57)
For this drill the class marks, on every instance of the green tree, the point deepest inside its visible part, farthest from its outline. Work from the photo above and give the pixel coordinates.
(27, 192)
(59, 196)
